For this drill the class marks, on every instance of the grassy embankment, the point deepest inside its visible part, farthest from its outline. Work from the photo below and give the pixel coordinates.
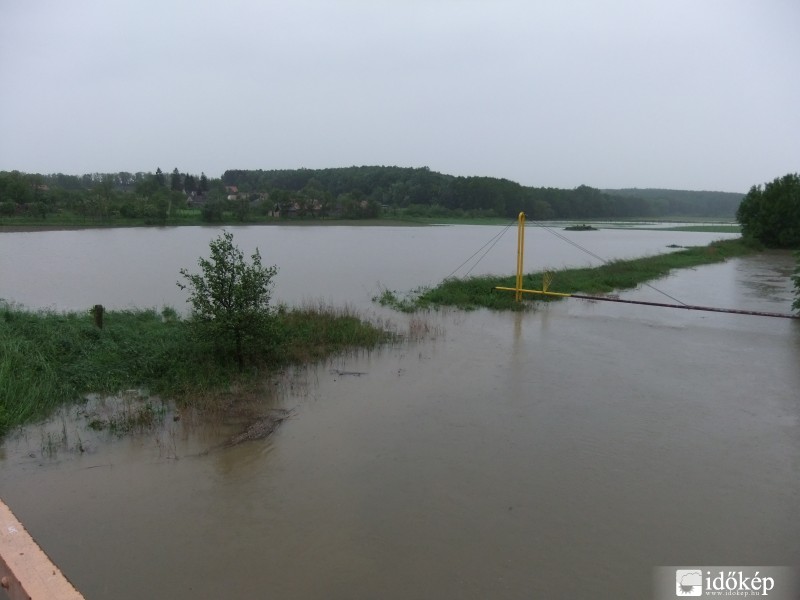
(181, 218)
(48, 359)
(479, 292)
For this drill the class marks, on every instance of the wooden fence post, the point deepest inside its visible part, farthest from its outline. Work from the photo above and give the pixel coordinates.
(97, 312)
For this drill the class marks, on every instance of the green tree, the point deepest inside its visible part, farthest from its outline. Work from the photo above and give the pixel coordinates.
(7, 209)
(189, 183)
(213, 211)
(175, 181)
(796, 280)
(242, 207)
(156, 208)
(125, 179)
(280, 200)
(772, 215)
(160, 179)
(105, 189)
(541, 210)
(15, 187)
(40, 209)
(147, 187)
(230, 299)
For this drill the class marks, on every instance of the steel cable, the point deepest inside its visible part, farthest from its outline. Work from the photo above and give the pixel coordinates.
(493, 241)
(600, 258)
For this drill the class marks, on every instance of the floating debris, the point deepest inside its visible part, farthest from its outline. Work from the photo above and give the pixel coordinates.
(343, 373)
(261, 428)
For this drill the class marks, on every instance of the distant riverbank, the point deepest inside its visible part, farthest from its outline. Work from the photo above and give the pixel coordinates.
(56, 226)
(28, 226)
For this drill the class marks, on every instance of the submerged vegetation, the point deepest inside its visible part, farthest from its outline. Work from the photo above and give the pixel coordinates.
(771, 215)
(479, 292)
(48, 358)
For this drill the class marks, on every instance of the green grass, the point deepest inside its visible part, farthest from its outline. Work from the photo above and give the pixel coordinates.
(310, 334)
(48, 359)
(187, 217)
(479, 292)
(67, 220)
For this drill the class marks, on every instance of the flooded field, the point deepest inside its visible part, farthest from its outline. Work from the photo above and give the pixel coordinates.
(558, 453)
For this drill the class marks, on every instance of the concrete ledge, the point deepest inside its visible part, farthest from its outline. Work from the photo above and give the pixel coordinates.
(26, 573)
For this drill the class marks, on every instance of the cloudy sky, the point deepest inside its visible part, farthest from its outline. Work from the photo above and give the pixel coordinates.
(687, 94)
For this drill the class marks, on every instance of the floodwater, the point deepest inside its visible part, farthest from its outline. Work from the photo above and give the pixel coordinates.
(123, 268)
(559, 453)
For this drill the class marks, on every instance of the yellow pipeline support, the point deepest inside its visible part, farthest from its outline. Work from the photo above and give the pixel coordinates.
(520, 255)
(520, 291)
(548, 277)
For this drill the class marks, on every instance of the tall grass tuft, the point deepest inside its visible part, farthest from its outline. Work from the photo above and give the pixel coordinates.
(310, 333)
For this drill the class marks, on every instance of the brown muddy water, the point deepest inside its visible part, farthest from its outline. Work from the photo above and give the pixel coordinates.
(561, 453)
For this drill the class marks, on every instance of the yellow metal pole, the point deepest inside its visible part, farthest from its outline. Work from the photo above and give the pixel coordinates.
(520, 255)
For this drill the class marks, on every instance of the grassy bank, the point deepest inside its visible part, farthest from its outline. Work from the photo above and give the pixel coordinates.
(192, 217)
(27, 224)
(47, 359)
(478, 292)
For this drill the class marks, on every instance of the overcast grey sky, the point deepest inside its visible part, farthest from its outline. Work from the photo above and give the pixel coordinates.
(688, 94)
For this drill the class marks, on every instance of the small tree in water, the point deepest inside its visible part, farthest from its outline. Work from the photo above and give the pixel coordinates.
(230, 298)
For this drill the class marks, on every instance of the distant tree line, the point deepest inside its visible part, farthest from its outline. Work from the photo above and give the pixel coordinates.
(149, 197)
(353, 192)
(684, 202)
(422, 192)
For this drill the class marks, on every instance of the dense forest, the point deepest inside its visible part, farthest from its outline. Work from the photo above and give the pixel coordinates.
(684, 202)
(420, 191)
(352, 192)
